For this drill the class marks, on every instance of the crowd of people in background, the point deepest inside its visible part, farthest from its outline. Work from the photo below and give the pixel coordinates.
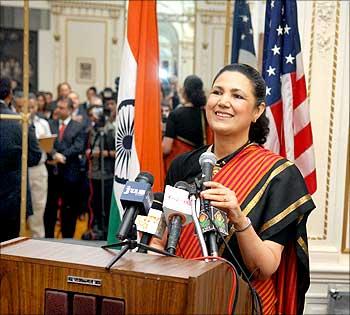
(75, 177)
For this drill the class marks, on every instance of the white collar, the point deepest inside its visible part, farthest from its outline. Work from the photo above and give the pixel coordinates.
(66, 121)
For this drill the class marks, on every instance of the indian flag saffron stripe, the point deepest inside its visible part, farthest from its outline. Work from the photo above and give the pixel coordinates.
(138, 136)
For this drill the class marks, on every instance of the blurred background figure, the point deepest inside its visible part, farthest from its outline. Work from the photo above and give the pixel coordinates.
(43, 111)
(10, 166)
(38, 177)
(173, 97)
(48, 97)
(91, 92)
(63, 90)
(101, 159)
(64, 169)
(166, 109)
(184, 126)
(79, 113)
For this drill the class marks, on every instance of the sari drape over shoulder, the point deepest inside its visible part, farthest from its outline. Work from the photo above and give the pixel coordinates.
(272, 193)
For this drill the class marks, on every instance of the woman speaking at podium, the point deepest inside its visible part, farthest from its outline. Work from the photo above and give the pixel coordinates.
(263, 194)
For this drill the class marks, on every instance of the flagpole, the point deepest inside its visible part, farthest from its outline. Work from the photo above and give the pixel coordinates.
(227, 32)
(25, 115)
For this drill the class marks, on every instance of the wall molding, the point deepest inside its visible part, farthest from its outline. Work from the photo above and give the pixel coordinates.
(327, 12)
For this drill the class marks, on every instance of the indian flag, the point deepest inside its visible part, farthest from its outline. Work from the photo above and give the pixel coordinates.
(138, 136)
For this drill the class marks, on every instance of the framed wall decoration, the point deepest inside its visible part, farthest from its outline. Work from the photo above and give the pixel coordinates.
(85, 70)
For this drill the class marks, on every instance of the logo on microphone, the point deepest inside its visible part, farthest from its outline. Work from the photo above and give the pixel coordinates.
(134, 191)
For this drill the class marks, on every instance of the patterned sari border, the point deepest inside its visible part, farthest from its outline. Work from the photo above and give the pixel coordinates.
(257, 197)
(259, 194)
(285, 212)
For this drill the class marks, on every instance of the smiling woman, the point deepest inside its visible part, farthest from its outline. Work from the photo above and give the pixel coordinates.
(263, 194)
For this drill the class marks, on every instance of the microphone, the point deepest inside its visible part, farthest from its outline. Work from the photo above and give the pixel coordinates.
(207, 161)
(136, 198)
(153, 224)
(192, 190)
(178, 212)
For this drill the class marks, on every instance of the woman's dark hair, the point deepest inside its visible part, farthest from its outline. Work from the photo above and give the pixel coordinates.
(193, 90)
(260, 129)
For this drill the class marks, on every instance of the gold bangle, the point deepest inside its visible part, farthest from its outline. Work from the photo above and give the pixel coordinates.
(246, 227)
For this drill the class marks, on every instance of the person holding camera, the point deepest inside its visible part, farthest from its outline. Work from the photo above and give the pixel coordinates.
(101, 156)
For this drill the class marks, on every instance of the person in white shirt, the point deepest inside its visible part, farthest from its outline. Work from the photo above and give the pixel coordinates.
(38, 174)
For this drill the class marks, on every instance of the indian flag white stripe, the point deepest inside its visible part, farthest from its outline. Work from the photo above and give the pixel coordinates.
(127, 164)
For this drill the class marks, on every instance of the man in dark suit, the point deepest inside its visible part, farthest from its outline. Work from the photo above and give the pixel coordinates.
(64, 169)
(10, 165)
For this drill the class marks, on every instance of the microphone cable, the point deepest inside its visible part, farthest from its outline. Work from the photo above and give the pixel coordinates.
(232, 299)
(256, 298)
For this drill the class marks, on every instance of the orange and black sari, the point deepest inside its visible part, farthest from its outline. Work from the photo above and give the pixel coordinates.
(272, 193)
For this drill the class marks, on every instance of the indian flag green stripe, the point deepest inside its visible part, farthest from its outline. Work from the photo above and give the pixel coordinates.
(114, 222)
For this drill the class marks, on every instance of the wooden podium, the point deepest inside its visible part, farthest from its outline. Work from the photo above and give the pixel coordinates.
(43, 277)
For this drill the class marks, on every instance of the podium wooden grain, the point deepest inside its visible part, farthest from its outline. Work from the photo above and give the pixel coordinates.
(149, 284)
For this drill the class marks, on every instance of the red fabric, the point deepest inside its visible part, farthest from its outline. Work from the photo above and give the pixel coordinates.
(256, 162)
(267, 293)
(61, 131)
(285, 280)
(178, 148)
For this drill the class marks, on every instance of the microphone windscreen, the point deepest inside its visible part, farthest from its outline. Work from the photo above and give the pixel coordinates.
(145, 177)
(182, 185)
(207, 157)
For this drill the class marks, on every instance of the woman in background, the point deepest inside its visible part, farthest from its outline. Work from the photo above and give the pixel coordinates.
(185, 127)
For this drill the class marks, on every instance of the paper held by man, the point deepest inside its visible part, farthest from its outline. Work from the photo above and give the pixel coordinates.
(46, 143)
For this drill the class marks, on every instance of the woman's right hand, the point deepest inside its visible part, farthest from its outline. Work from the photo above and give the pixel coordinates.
(225, 199)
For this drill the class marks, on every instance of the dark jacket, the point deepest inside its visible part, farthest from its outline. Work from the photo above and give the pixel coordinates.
(10, 164)
(72, 147)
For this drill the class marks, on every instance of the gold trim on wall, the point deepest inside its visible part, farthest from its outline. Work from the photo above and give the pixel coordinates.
(112, 9)
(331, 117)
(312, 41)
(82, 20)
(346, 234)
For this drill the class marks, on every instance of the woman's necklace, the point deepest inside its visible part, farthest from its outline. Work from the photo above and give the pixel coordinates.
(221, 163)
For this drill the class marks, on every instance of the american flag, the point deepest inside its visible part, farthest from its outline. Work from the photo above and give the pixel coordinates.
(242, 35)
(286, 97)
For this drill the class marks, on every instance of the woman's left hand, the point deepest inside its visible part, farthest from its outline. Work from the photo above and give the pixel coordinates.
(225, 199)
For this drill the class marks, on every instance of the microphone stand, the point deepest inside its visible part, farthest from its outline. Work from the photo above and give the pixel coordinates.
(193, 200)
(210, 236)
(129, 244)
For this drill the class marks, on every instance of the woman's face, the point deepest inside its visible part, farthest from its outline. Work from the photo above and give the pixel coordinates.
(41, 102)
(231, 105)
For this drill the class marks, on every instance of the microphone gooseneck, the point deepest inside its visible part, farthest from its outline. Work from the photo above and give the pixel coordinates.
(207, 162)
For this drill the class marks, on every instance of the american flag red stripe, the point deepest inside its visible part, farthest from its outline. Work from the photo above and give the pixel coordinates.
(286, 94)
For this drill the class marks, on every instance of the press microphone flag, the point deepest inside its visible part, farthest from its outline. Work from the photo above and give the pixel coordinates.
(137, 197)
(218, 217)
(154, 223)
(178, 212)
(176, 202)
